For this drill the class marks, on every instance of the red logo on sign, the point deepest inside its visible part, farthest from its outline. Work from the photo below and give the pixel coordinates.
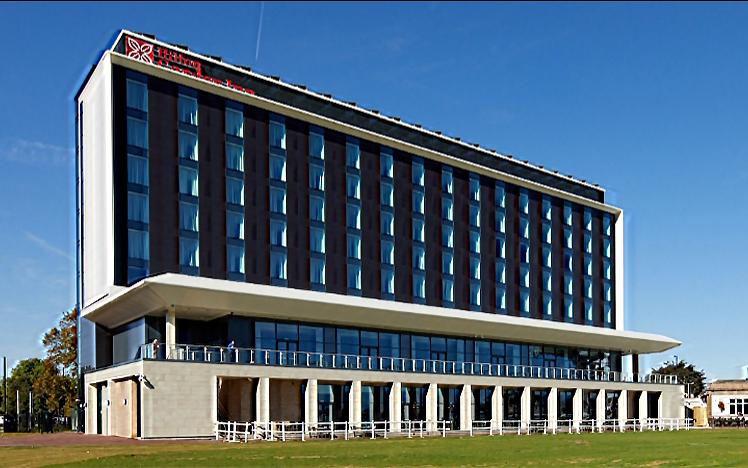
(139, 50)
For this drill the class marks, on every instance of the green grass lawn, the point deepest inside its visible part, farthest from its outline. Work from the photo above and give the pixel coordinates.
(685, 448)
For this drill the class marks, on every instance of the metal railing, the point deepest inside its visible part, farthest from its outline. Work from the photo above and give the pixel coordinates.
(231, 355)
(237, 431)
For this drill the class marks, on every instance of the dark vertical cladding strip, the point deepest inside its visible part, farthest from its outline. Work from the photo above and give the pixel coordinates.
(335, 203)
(256, 186)
(536, 271)
(403, 226)
(119, 111)
(433, 232)
(163, 167)
(577, 230)
(488, 244)
(512, 250)
(370, 209)
(297, 203)
(598, 317)
(613, 260)
(461, 239)
(212, 186)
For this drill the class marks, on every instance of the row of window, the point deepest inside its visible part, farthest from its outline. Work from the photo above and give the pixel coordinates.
(138, 253)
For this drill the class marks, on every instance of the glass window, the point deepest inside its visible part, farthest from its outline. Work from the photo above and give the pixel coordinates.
(547, 304)
(418, 228)
(354, 246)
(353, 186)
(277, 200)
(568, 284)
(569, 306)
(524, 202)
(474, 187)
(354, 276)
(567, 213)
(500, 247)
(606, 248)
(137, 170)
(607, 292)
(475, 267)
(524, 301)
(501, 222)
(568, 262)
(588, 288)
(386, 189)
(234, 122)
(317, 239)
(419, 285)
(188, 181)
(386, 165)
(524, 228)
(137, 207)
(447, 236)
(547, 259)
(567, 238)
(547, 281)
(446, 180)
(546, 209)
(588, 219)
(447, 205)
(189, 252)
(606, 225)
(447, 290)
(277, 233)
(547, 233)
(501, 298)
(418, 201)
(187, 145)
(524, 276)
(137, 95)
(388, 223)
(501, 272)
(137, 244)
(137, 133)
(524, 252)
(277, 167)
(388, 281)
(418, 178)
(188, 217)
(447, 263)
(235, 258)
(588, 310)
(475, 241)
(608, 311)
(234, 191)
(588, 265)
(316, 177)
(187, 109)
(317, 270)
(607, 269)
(388, 252)
(317, 208)
(353, 155)
(475, 215)
(235, 157)
(419, 258)
(235, 225)
(277, 134)
(316, 145)
(353, 216)
(500, 195)
(587, 242)
(475, 293)
(278, 265)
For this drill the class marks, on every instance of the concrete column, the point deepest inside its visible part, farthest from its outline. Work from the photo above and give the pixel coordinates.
(497, 407)
(577, 408)
(106, 420)
(623, 408)
(432, 407)
(310, 400)
(525, 408)
(643, 409)
(552, 409)
(466, 407)
(170, 340)
(354, 404)
(600, 404)
(396, 406)
(659, 406)
(262, 400)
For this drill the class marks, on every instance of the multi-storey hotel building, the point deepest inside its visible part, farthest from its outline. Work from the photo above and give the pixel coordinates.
(249, 250)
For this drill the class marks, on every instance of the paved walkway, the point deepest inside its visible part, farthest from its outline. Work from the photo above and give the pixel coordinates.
(75, 438)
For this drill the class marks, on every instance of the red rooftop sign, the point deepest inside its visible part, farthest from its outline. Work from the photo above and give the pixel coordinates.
(173, 60)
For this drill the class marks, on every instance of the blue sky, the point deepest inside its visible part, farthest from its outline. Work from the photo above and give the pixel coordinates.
(648, 100)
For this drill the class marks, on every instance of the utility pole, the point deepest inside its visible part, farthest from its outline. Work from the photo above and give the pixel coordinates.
(31, 418)
(5, 386)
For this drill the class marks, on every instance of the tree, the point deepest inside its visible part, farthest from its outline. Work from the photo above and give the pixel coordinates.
(692, 378)
(21, 382)
(57, 380)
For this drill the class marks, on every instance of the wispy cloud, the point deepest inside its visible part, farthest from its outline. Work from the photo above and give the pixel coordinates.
(259, 31)
(34, 152)
(47, 246)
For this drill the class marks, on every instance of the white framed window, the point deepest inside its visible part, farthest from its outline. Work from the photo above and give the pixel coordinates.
(137, 95)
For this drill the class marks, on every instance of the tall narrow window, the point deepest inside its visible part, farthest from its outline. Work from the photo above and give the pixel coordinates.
(447, 237)
(234, 122)
(524, 251)
(419, 247)
(587, 259)
(317, 207)
(387, 217)
(607, 270)
(474, 241)
(568, 261)
(277, 191)
(353, 215)
(138, 255)
(546, 215)
(187, 143)
(500, 202)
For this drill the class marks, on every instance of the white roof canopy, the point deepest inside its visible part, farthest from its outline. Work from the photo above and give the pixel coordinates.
(206, 298)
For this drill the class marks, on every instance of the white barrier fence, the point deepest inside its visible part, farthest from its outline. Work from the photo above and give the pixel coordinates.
(235, 431)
